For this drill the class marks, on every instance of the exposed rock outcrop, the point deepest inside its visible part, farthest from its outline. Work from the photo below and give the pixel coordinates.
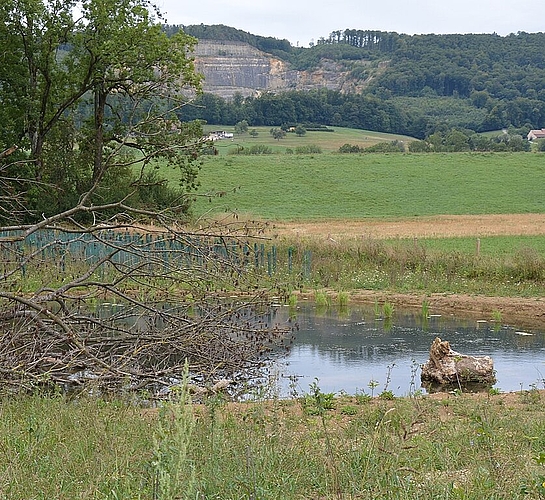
(231, 67)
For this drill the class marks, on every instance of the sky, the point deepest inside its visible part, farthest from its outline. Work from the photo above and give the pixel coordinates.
(303, 21)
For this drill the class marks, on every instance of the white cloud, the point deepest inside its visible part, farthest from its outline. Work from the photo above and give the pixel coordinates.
(303, 20)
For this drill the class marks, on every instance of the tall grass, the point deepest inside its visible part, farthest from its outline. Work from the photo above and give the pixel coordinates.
(507, 268)
(406, 266)
(349, 447)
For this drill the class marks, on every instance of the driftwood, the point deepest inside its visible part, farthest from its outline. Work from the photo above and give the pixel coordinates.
(448, 367)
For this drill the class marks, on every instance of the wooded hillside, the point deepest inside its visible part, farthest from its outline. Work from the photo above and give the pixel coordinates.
(474, 81)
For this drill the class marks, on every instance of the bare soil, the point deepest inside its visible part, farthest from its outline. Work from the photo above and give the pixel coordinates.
(528, 312)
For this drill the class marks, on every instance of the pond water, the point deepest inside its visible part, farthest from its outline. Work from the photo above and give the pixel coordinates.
(347, 350)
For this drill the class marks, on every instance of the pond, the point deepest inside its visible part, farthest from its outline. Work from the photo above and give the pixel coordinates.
(352, 350)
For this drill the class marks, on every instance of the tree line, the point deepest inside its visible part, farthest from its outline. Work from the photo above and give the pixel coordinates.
(489, 81)
(416, 117)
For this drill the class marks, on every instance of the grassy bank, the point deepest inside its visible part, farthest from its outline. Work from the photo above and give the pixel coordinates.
(505, 266)
(454, 446)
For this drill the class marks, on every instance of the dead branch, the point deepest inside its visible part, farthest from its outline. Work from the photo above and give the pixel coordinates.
(129, 318)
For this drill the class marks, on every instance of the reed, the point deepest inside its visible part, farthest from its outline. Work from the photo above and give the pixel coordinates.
(388, 310)
(425, 310)
(322, 299)
(343, 299)
(496, 316)
(292, 300)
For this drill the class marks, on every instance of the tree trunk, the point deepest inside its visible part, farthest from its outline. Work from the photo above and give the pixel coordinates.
(448, 367)
(100, 106)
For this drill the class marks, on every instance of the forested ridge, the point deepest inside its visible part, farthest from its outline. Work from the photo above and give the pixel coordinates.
(423, 83)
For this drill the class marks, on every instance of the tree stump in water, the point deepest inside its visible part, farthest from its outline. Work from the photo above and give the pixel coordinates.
(448, 367)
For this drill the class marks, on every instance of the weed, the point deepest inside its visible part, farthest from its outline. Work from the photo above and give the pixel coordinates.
(387, 395)
(531, 396)
(349, 410)
(172, 469)
(389, 369)
(317, 402)
(342, 299)
(373, 384)
(412, 386)
(388, 310)
(322, 402)
(362, 397)
(539, 481)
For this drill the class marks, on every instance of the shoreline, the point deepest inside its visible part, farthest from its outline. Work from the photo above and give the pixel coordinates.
(527, 312)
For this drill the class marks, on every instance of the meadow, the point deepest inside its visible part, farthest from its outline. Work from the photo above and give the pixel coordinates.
(328, 142)
(315, 446)
(357, 186)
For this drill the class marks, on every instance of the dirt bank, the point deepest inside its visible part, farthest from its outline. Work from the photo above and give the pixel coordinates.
(528, 312)
(523, 312)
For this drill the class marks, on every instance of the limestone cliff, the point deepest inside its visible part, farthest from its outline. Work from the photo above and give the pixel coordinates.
(230, 67)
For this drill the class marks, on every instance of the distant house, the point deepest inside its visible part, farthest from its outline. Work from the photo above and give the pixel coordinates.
(219, 134)
(536, 134)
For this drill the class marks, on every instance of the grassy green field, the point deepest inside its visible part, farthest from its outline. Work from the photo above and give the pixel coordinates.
(327, 141)
(328, 185)
(489, 245)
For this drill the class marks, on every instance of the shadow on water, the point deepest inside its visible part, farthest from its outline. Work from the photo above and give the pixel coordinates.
(354, 350)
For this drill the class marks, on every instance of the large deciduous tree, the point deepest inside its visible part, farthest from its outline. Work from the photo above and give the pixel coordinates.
(92, 90)
(89, 99)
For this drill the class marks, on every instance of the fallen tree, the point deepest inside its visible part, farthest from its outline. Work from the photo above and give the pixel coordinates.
(87, 296)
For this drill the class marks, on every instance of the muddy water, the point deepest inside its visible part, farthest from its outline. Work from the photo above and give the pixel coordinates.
(352, 350)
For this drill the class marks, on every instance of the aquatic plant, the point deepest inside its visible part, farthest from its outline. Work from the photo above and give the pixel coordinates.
(496, 316)
(425, 309)
(322, 299)
(388, 310)
(292, 300)
(342, 299)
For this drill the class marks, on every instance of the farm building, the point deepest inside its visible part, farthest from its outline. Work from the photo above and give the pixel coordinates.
(219, 134)
(536, 134)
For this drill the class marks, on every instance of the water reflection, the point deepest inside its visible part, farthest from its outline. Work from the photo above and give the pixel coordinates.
(347, 350)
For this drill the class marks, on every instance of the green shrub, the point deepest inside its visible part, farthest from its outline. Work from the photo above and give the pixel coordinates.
(349, 148)
(310, 149)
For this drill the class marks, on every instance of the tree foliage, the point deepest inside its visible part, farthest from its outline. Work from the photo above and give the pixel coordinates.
(92, 97)
(318, 107)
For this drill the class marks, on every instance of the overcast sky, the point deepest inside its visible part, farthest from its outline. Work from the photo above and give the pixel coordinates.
(301, 21)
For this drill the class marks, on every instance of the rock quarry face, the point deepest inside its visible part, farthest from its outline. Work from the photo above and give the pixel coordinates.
(237, 67)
